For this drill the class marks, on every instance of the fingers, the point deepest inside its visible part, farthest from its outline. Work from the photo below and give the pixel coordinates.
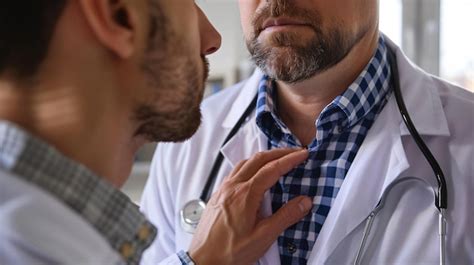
(286, 216)
(238, 167)
(253, 165)
(268, 175)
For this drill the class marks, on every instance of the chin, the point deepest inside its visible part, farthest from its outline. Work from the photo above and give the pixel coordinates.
(186, 130)
(124, 168)
(170, 129)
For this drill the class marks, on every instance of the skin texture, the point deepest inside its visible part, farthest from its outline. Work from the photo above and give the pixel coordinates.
(314, 51)
(172, 112)
(118, 74)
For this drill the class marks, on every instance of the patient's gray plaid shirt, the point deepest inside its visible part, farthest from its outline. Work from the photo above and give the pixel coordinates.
(107, 209)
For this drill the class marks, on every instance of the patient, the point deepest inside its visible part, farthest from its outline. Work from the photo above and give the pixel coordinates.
(83, 85)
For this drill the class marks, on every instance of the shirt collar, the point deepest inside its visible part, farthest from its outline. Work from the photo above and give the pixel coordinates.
(104, 207)
(369, 88)
(267, 115)
(367, 91)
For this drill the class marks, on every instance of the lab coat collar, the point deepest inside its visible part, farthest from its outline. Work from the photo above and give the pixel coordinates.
(249, 139)
(421, 97)
(244, 144)
(247, 93)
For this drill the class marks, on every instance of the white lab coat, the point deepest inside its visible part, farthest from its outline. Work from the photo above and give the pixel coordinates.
(405, 231)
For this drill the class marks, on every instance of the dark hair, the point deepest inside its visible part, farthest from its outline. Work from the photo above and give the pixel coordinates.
(26, 28)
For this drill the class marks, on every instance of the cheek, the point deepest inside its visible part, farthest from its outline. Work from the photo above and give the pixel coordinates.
(185, 24)
(247, 11)
(357, 14)
(191, 34)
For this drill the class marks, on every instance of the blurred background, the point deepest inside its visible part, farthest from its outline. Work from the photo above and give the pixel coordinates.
(436, 34)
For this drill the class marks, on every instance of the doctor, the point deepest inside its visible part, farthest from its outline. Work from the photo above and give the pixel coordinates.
(325, 81)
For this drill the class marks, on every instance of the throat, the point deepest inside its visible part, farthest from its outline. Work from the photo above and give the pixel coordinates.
(301, 124)
(300, 105)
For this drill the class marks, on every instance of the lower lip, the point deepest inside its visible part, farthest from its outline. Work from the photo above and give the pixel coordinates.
(284, 28)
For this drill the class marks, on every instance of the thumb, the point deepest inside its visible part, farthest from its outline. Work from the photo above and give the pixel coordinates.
(291, 213)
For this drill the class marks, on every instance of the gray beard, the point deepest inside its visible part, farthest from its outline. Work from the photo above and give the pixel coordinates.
(288, 61)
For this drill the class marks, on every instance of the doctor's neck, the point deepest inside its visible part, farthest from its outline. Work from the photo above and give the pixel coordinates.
(300, 104)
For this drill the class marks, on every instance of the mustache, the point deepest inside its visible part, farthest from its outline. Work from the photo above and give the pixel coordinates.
(205, 67)
(283, 8)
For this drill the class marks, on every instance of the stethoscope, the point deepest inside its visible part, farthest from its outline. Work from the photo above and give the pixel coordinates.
(192, 211)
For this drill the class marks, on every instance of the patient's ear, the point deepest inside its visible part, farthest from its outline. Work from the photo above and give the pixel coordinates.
(114, 23)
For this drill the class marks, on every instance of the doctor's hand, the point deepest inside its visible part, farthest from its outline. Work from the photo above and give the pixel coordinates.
(231, 231)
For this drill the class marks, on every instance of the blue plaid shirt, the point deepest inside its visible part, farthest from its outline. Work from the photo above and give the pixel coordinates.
(341, 129)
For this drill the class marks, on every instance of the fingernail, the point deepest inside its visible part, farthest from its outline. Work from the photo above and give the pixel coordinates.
(304, 153)
(301, 156)
(305, 204)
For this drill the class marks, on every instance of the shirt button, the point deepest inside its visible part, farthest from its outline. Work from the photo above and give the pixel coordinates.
(143, 233)
(127, 250)
(291, 248)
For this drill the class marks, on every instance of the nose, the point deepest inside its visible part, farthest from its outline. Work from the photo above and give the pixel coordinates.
(210, 38)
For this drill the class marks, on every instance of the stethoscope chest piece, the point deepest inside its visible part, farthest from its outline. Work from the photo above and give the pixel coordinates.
(191, 215)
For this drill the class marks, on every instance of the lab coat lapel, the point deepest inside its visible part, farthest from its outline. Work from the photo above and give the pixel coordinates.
(381, 159)
(242, 145)
(364, 183)
(248, 141)
(421, 96)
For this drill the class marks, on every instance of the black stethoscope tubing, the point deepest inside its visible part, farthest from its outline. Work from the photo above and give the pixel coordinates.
(441, 200)
(442, 193)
